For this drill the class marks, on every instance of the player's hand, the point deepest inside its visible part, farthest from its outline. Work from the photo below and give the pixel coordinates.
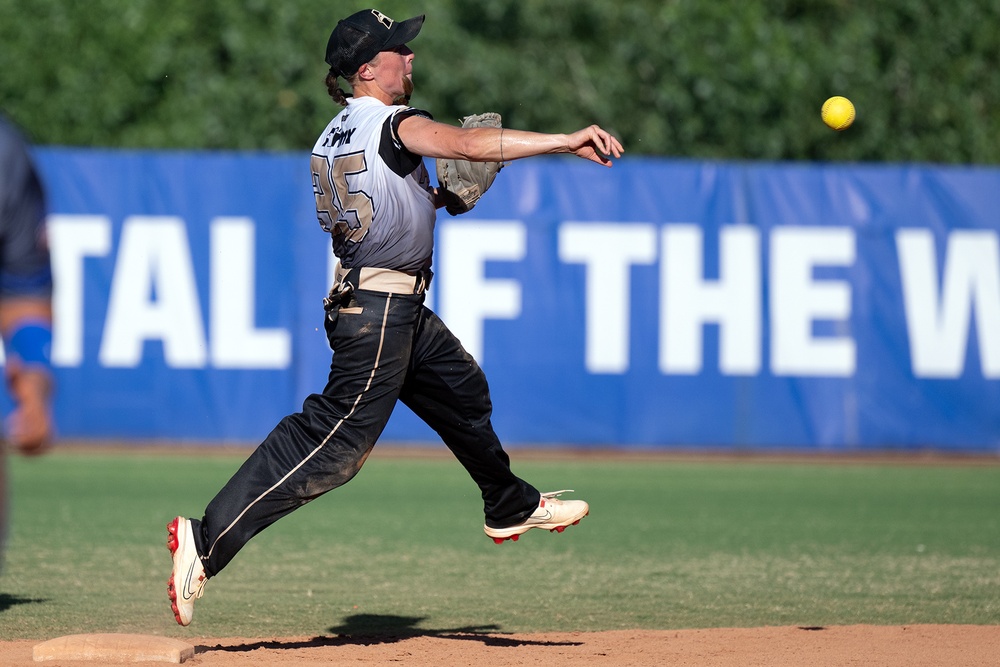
(29, 426)
(29, 429)
(595, 144)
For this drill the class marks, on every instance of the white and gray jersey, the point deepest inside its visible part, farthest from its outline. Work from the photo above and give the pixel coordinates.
(372, 194)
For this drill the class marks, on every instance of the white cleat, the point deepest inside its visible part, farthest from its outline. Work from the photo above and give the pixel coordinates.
(552, 514)
(188, 579)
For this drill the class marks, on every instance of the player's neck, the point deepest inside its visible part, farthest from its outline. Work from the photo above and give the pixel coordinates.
(371, 89)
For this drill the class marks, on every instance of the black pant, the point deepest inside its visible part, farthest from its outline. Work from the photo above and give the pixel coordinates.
(386, 347)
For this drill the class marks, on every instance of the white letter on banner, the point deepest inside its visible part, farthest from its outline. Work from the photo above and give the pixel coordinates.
(797, 300)
(466, 297)
(688, 301)
(235, 343)
(938, 323)
(608, 250)
(153, 296)
(71, 239)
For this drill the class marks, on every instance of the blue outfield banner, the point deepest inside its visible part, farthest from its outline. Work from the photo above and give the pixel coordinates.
(659, 303)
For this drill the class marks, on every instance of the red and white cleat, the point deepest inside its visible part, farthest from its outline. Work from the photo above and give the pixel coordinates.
(552, 514)
(187, 580)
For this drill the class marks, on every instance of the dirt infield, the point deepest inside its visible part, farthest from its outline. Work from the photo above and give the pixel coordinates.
(906, 646)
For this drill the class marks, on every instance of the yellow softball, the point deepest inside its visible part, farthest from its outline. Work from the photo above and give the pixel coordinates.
(838, 112)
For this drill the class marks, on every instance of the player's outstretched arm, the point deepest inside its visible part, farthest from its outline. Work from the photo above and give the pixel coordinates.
(485, 144)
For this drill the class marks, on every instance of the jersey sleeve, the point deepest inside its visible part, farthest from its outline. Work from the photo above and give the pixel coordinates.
(396, 156)
(25, 268)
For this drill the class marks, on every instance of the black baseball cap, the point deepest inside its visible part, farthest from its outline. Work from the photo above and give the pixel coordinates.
(361, 36)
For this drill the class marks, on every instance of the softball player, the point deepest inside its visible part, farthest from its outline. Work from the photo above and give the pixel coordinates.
(25, 303)
(374, 196)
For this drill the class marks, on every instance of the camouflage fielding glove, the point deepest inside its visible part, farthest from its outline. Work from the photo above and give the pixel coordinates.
(464, 181)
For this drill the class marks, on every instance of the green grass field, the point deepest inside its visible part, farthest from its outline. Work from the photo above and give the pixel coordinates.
(669, 544)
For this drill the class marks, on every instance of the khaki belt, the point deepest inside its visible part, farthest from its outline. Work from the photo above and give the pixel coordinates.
(384, 280)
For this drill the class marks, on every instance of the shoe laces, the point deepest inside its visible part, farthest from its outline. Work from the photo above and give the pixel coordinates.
(554, 495)
(200, 588)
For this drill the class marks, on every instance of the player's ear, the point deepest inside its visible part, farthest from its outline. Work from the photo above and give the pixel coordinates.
(366, 72)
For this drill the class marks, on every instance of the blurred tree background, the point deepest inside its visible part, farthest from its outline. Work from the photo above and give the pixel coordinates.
(733, 79)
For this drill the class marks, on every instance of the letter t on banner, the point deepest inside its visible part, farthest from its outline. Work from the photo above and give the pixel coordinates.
(608, 250)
